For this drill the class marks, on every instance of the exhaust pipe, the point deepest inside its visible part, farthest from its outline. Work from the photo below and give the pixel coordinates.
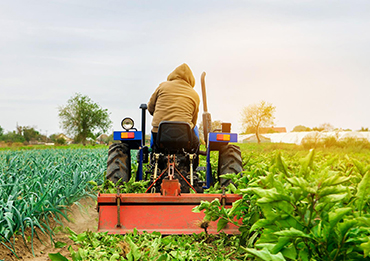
(207, 122)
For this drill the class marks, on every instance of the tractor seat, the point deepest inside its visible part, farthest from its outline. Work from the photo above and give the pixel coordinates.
(173, 136)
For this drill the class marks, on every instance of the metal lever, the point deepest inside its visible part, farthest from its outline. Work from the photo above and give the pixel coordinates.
(191, 158)
(156, 156)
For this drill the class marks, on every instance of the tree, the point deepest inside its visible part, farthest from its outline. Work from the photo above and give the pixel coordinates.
(81, 117)
(257, 116)
(299, 128)
(30, 134)
(324, 127)
(1, 131)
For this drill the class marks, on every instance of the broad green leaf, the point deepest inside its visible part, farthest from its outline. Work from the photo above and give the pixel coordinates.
(303, 255)
(346, 225)
(331, 190)
(228, 176)
(299, 182)
(203, 205)
(337, 215)
(163, 257)
(260, 192)
(363, 191)
(280, 164)
(232, 187)
(334, 198)
(260, 224)
(268, 246)
(307, 163)
(360, 167)
(364, 220)
(366, 248)
(303, 184)
(335, 180)
(264, 254)
(134, 253)
(273, 197)
(221, 224)
(282, 242)
(114, 257)
(292, 232)
(82, 253)
(59, 244)
(57, 257)
(290, 252)
(234, 207)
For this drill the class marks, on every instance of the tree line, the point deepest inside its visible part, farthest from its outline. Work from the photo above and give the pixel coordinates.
(28, 135)
(83, 119)
(22, 134)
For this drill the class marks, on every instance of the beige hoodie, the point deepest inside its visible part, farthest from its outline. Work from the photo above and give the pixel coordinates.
(175, 99)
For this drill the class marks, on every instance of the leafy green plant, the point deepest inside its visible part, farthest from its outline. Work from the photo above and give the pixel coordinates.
(150, 246)
(305, 212)
(131, 186)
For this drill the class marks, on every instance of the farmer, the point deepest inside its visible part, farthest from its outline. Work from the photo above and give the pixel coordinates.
(176, 100)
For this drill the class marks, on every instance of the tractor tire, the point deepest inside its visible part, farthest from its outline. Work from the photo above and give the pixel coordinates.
(229, 161)
(119, 162)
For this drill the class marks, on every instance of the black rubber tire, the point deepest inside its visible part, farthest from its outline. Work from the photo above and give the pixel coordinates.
(119, 162)
(229, 161)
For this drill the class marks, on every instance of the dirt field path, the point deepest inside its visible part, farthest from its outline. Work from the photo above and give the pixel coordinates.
(81, 220)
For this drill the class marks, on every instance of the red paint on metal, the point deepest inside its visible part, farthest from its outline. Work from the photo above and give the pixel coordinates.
(154, 212)
(170, 187)
(158, 198)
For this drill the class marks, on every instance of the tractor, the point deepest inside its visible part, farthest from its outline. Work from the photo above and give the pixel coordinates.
(173, 170)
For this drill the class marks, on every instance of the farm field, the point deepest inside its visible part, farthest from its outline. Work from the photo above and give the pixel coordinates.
(298, 204)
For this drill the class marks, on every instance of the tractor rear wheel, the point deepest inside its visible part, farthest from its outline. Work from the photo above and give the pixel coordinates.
(229, 161)
(119, 162)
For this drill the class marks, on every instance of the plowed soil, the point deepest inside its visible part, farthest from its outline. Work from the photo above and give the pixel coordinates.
(81, 219)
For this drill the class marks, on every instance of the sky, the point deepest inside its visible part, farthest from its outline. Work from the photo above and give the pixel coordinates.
(309, 58)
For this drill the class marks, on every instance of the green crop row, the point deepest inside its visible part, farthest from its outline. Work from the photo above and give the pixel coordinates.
(296, 205)
(37, 186)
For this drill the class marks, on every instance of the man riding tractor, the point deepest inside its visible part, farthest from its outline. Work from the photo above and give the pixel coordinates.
(176, 100)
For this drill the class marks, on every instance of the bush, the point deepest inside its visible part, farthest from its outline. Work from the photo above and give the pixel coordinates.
(60, 141)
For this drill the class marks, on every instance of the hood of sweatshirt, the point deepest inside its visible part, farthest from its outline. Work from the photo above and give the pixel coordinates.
(182, 72)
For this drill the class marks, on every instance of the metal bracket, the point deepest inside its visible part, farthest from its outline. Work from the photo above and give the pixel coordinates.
(118, 201)
(191, 158)
(223, 197)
